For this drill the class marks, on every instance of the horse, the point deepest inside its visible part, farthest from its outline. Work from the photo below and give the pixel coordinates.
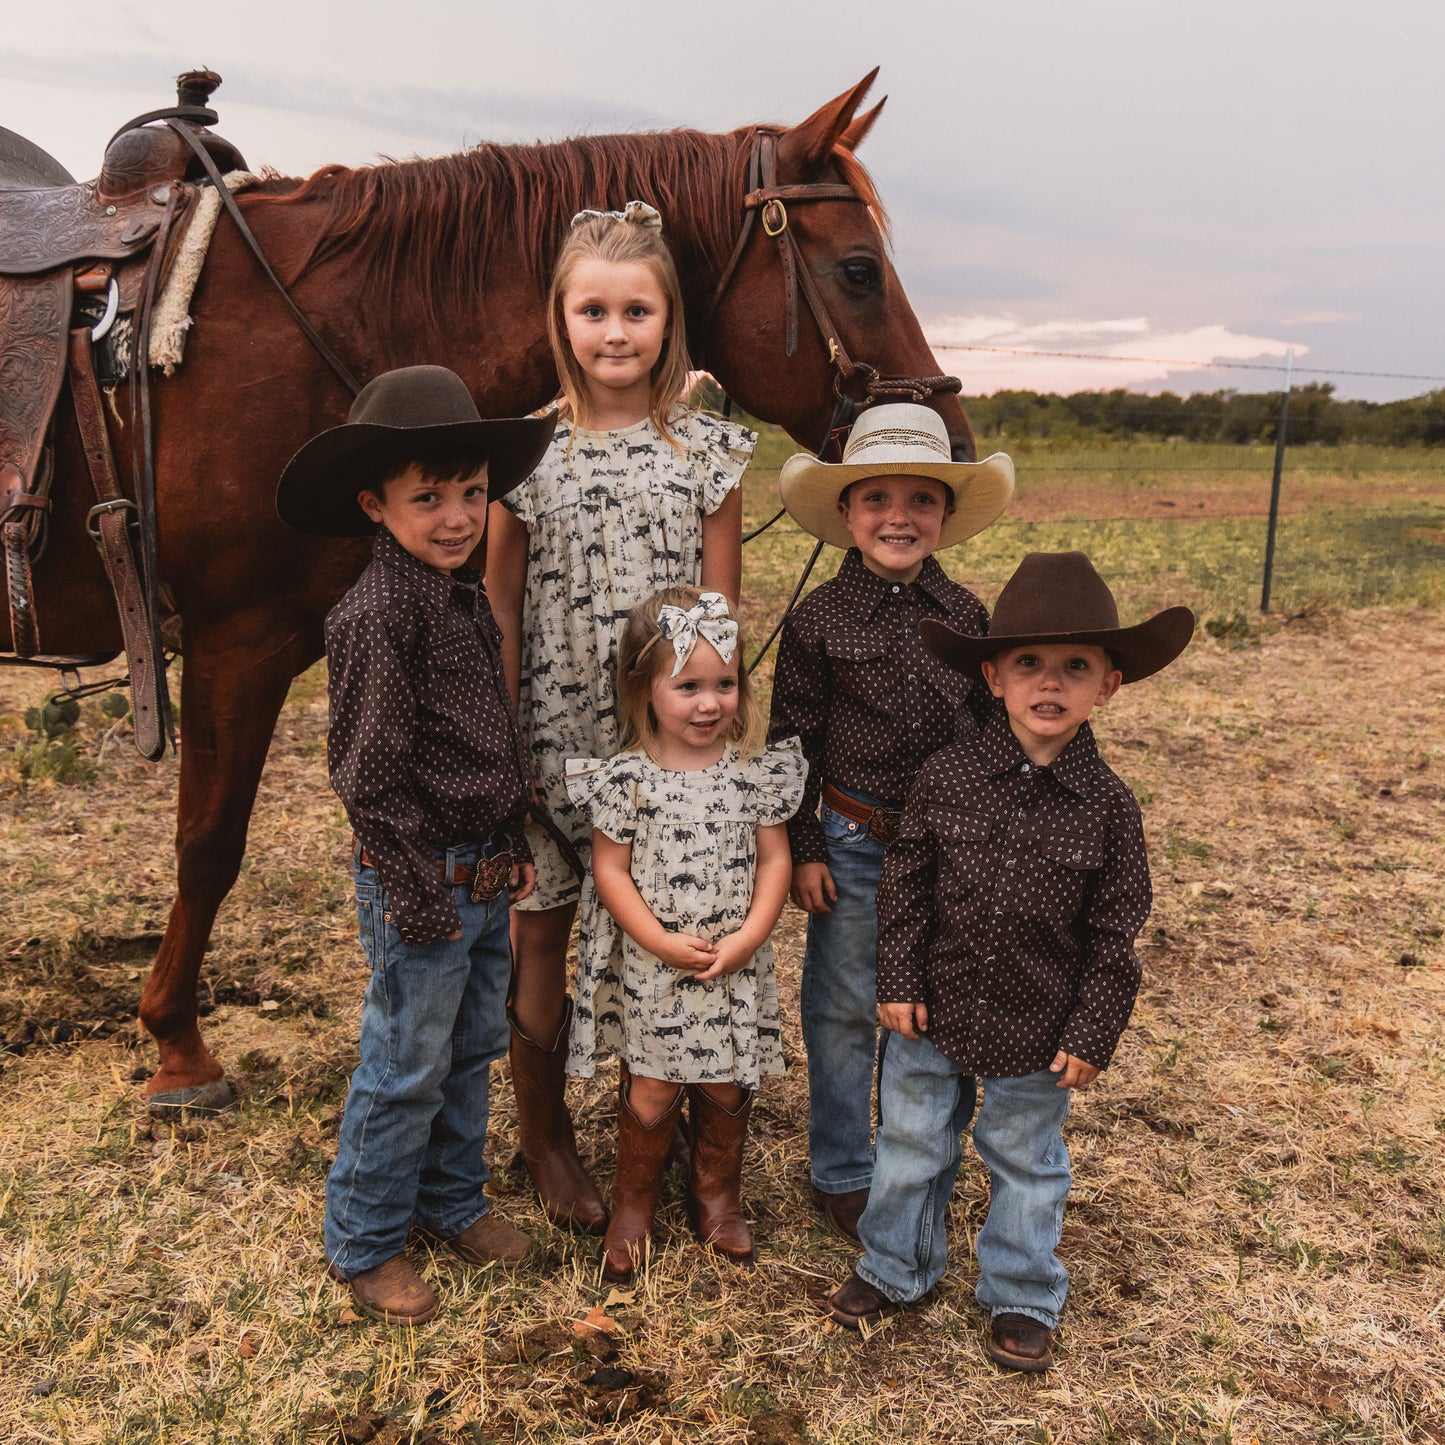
(447, 261)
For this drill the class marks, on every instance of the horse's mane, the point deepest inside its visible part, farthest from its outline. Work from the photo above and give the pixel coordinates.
(444, 221)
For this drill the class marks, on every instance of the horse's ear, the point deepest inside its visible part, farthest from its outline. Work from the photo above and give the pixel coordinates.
(804, 147)
(857, 133)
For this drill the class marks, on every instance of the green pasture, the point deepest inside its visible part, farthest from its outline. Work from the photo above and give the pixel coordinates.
(1361, 526)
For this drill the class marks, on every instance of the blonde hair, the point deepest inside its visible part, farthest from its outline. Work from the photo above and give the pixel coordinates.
(602, 238)
(644, 652)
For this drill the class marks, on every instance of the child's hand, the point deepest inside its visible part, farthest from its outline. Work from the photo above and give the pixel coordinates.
(1073, 1073)
(908, 1019)
(730, 953)
(685, 951)
(522, 881)
(813, 888)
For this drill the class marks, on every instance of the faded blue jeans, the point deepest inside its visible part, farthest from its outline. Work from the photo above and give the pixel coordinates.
(927, 1101)
(840, 1011)
(433, 1019)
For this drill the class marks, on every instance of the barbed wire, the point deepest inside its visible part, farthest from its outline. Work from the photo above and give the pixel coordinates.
(1187, 365)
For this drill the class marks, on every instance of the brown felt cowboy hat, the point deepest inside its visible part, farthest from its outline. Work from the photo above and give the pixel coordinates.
(1058, 597)
(402, 416)
(898, 439)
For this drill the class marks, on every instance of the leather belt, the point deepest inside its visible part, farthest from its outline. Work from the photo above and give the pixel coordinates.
(485, 878)
(881, 823)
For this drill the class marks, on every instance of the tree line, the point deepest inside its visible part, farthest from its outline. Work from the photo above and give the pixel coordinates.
(1316, 417)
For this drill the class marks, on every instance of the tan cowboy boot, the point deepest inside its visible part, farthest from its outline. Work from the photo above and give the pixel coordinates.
(714, 1188)
(549, 1147)
(637, 1184)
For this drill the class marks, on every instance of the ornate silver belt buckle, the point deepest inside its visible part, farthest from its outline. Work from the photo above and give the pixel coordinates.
(491, 876)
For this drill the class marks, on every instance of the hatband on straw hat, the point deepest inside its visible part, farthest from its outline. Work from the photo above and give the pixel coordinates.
(1059, 597)
(400, 417)
(898, 439)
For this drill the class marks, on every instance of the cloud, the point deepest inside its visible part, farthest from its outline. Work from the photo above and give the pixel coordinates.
(1000, 353)
(1320, 318)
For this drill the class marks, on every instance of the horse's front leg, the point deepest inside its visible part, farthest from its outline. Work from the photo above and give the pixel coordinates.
(230, 699)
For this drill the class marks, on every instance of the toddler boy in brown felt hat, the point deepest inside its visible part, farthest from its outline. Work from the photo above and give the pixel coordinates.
(1007, 913)
(424, 752)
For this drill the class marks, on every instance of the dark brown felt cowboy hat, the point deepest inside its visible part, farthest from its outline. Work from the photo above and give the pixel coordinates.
(1058, 597)
(402, 416)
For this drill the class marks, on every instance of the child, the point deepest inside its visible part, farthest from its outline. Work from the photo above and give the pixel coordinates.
(1006, 923)
(635, 493)
(424, 753)
(870, 704)
(690, 869)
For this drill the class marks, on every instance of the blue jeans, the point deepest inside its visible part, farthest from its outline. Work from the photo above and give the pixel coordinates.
(927, 1102)
(433, 1019)
(839, 1009)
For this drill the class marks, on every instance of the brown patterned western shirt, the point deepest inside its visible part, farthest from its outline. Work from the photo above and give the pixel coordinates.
(856, 684)
(424, 750)
(1010, 902)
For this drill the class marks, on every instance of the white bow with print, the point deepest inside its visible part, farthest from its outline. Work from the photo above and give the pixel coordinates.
(708, 619)
(636, 213)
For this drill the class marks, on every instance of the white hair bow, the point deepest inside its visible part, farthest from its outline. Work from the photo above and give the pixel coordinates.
(637, 213)
(708, 619)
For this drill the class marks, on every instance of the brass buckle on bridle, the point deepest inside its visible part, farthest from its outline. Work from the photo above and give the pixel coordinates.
(769, 215)
(116, 504)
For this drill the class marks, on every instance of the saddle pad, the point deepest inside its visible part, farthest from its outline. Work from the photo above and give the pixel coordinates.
(170, 320)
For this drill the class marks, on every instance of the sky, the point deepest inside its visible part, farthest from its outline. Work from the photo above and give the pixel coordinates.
(1176, 182)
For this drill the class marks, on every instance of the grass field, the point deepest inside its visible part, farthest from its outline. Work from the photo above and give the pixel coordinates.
(1256, 1233)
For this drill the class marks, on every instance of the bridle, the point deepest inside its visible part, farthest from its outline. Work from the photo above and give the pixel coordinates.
(765, 206)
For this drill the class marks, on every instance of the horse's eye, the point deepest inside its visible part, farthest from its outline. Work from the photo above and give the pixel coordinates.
(863, 274)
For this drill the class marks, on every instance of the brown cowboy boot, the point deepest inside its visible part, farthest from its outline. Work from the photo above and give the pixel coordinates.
(549, 1147)
(714, 1188)
(637, 1184)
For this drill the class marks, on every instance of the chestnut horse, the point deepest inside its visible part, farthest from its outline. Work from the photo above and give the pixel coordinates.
(441, 261)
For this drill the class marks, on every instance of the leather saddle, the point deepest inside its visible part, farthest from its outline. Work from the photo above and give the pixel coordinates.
(75, 259)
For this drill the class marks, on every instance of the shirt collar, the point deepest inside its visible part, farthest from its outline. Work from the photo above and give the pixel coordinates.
(866, 589)
(1077, 768)
(434, 587)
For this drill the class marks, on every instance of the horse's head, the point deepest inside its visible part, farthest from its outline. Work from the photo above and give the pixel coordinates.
(811, 307)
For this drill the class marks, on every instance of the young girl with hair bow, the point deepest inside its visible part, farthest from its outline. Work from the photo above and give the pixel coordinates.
(690, 868)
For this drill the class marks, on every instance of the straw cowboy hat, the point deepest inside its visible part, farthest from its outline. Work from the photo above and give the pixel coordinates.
(900, 439)
(402, 416)
(1059, 597)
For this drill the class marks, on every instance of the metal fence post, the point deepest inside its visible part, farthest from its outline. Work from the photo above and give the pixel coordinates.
(1279, 433)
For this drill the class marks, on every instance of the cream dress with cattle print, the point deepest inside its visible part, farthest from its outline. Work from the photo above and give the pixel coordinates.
(611, 518)
(694, 857)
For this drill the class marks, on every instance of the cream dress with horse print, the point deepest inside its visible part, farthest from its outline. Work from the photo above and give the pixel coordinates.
(611, 517)
(694, 857)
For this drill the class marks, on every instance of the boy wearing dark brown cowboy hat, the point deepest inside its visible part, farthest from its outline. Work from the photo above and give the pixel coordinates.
(425, 755)
(1007, 914)
(870, 703)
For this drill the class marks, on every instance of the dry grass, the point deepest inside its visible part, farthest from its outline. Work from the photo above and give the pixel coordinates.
(1256, 1234)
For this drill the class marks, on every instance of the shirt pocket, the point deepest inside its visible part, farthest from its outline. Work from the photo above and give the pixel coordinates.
(963, 841)
(1060, 885)
(863, 672)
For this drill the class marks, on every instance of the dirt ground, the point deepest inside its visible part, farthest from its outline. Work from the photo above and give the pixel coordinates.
(1256, 1233)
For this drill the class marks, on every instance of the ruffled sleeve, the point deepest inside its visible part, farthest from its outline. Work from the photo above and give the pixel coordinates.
(723, 450)
(776, 781)
(606, 790)
(521, 501)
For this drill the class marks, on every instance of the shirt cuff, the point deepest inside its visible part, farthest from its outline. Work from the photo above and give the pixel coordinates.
(429, 924)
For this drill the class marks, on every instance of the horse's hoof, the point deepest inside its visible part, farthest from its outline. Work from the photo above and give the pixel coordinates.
(202, 1099)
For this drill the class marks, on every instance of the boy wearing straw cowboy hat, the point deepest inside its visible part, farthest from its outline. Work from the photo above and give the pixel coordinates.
(870, 703)
(1007, 914)
(425, 755)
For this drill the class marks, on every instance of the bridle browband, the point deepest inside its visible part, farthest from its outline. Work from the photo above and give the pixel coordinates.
(765, 205)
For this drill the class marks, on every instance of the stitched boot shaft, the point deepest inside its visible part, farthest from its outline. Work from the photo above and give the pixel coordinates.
(549, 1147)
(715, 1186)
(637, 1184)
